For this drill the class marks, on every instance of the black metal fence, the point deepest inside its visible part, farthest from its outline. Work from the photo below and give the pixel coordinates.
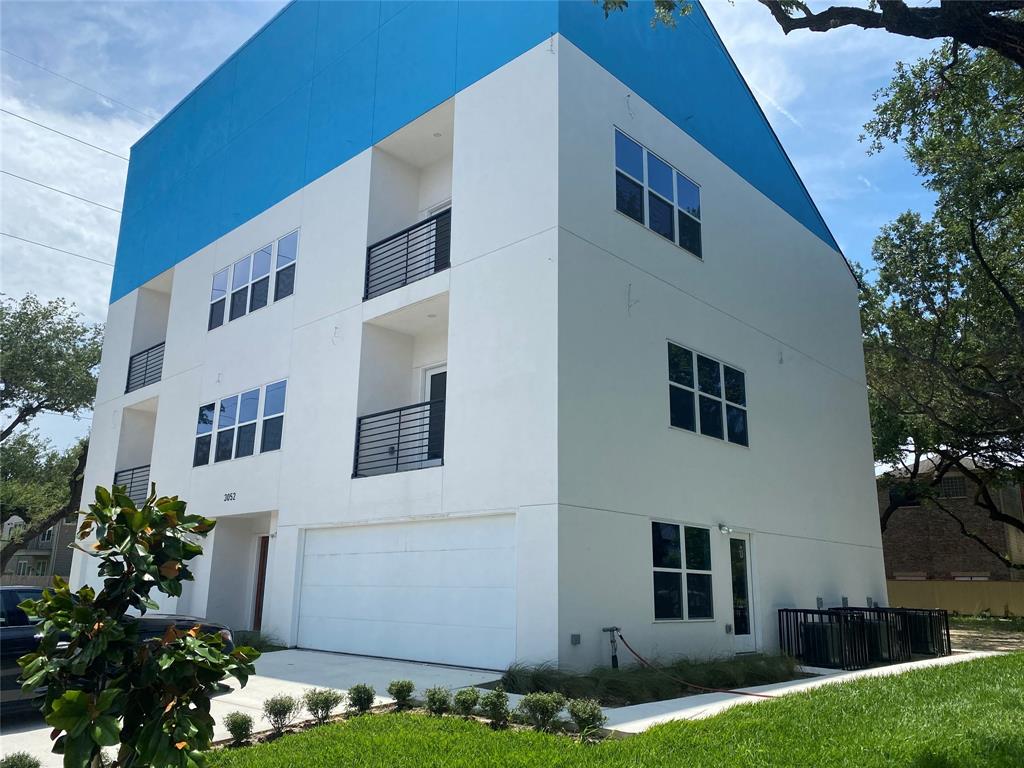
(412, 254)
(144, 367)
(854, 637)
(400, 439)
(135, 482)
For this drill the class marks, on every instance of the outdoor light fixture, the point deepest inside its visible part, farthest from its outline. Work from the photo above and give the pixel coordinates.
(724, 529)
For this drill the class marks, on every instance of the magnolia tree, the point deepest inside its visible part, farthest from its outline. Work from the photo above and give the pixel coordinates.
(106, 685)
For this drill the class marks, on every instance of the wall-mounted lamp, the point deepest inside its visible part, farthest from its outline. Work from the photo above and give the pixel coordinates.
(724, 529)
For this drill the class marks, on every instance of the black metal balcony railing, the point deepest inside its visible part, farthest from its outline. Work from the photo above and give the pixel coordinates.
(412, 254)
(144, 367)
(135, 482)
(400, 439)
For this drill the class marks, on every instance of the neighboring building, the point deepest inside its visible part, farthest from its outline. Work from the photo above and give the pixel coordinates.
(42, 557)
(652, 339)
(922, 543)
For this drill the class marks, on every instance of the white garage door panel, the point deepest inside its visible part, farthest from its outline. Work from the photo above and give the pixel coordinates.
(439, 591)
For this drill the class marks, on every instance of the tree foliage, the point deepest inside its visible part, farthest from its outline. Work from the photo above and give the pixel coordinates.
(105, 685)
(48, 360)
(944, 318)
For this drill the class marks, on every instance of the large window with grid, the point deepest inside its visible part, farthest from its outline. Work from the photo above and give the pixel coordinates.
(653, 193)
(681, 557)
(227, 429)
(706, 395)
(244, 286)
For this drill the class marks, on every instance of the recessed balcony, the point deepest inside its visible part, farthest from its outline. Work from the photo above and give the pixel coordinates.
(145, 367)
(414, 253)
(135, 481)
(400, 439)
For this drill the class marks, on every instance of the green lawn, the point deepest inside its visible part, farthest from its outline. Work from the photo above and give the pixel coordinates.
(987, 623)
(964, 715)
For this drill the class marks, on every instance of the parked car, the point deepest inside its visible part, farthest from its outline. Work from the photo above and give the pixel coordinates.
(18, 636)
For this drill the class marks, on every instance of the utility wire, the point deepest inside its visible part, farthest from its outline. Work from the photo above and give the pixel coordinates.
(52, 248)
(61, 133)
(80, 85)
(61, 191)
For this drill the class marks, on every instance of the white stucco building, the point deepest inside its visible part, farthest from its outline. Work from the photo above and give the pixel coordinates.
(612, 375)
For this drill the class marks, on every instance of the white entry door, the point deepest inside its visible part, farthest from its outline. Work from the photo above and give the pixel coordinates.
(742, 593)
(437, 590)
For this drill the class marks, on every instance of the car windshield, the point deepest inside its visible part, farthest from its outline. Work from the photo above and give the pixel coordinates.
(13, 615)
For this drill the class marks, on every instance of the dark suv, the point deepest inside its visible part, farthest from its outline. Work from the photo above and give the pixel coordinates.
(18, 636)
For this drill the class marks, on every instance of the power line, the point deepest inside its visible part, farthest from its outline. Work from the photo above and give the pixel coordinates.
(61, 133)
(80, 85)
(52, 248)
(61, 191)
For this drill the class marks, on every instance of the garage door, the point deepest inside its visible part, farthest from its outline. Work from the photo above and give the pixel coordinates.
(440, 591)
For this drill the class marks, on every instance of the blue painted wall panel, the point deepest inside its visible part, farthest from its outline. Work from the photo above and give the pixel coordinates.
(324, 80)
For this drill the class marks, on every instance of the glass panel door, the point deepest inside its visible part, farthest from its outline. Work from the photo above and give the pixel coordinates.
(742, 608)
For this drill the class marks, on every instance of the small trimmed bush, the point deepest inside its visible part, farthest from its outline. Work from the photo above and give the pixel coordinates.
(495, 707)
(20, 760)
(281, 712)
(401, 692)
(360, 697)
(239, 725)
(465, 701)
(439, 700)
(541, 709)
(587, 716)
(321, 703)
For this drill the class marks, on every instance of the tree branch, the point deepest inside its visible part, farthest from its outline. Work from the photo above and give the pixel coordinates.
(1015, 307)
(976, 24)
(23, 416)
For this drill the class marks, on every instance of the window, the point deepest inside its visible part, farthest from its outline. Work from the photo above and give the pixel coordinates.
(40, 567)
(953, 487)
(23, 567)
(229, 427)
(249, 280)
(681, 556)
(653, 193)
(709, 396)
(904, 496)
(273, 416)
(46, 535)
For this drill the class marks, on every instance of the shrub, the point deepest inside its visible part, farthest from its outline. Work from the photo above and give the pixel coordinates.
(587, 715)
(281, 712)
(261, 642)
(541, 709)
(20, 760)
(321, 703)
(239, 725)
(105, 685)
(465, 701)
(495, 707)
(439, 700)
(401, 692)
(361, 697)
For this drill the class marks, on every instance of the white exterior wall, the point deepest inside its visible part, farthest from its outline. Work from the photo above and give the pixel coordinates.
(556, 415)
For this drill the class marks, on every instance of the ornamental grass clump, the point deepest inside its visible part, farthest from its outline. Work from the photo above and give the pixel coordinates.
(321, 703)
(401, 692)
(464, 702)
(360, 697)
(281, 712)
(541, 709)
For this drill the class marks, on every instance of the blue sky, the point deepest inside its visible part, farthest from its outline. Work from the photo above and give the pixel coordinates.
(816, 90)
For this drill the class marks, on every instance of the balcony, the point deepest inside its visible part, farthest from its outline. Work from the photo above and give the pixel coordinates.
(144, 367)
(400, 439)
(414, 253)
(135, 482)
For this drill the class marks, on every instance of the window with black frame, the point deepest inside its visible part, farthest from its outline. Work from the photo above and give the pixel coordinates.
(232, 427)
(655, 194)
(706, 395)
(681, 560)
(244, 287)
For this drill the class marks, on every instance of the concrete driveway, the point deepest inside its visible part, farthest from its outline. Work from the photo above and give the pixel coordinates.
(282, 672)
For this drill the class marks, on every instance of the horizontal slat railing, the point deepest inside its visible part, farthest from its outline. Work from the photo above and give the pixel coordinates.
(400, 439)
(144, 367)
(410, 255)
(135, 482)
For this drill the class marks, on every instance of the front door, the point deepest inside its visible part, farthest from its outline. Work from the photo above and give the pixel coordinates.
(262, 549)
(742, 594)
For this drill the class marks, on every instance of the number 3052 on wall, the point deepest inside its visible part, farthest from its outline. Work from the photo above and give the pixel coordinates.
(229, 497)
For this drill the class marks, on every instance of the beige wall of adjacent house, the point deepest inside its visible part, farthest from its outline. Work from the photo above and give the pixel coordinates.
(968, 597)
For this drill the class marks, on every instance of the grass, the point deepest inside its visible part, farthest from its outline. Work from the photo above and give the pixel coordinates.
(988, 623)
(637, 685)
(262, 643)
(966, 715)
